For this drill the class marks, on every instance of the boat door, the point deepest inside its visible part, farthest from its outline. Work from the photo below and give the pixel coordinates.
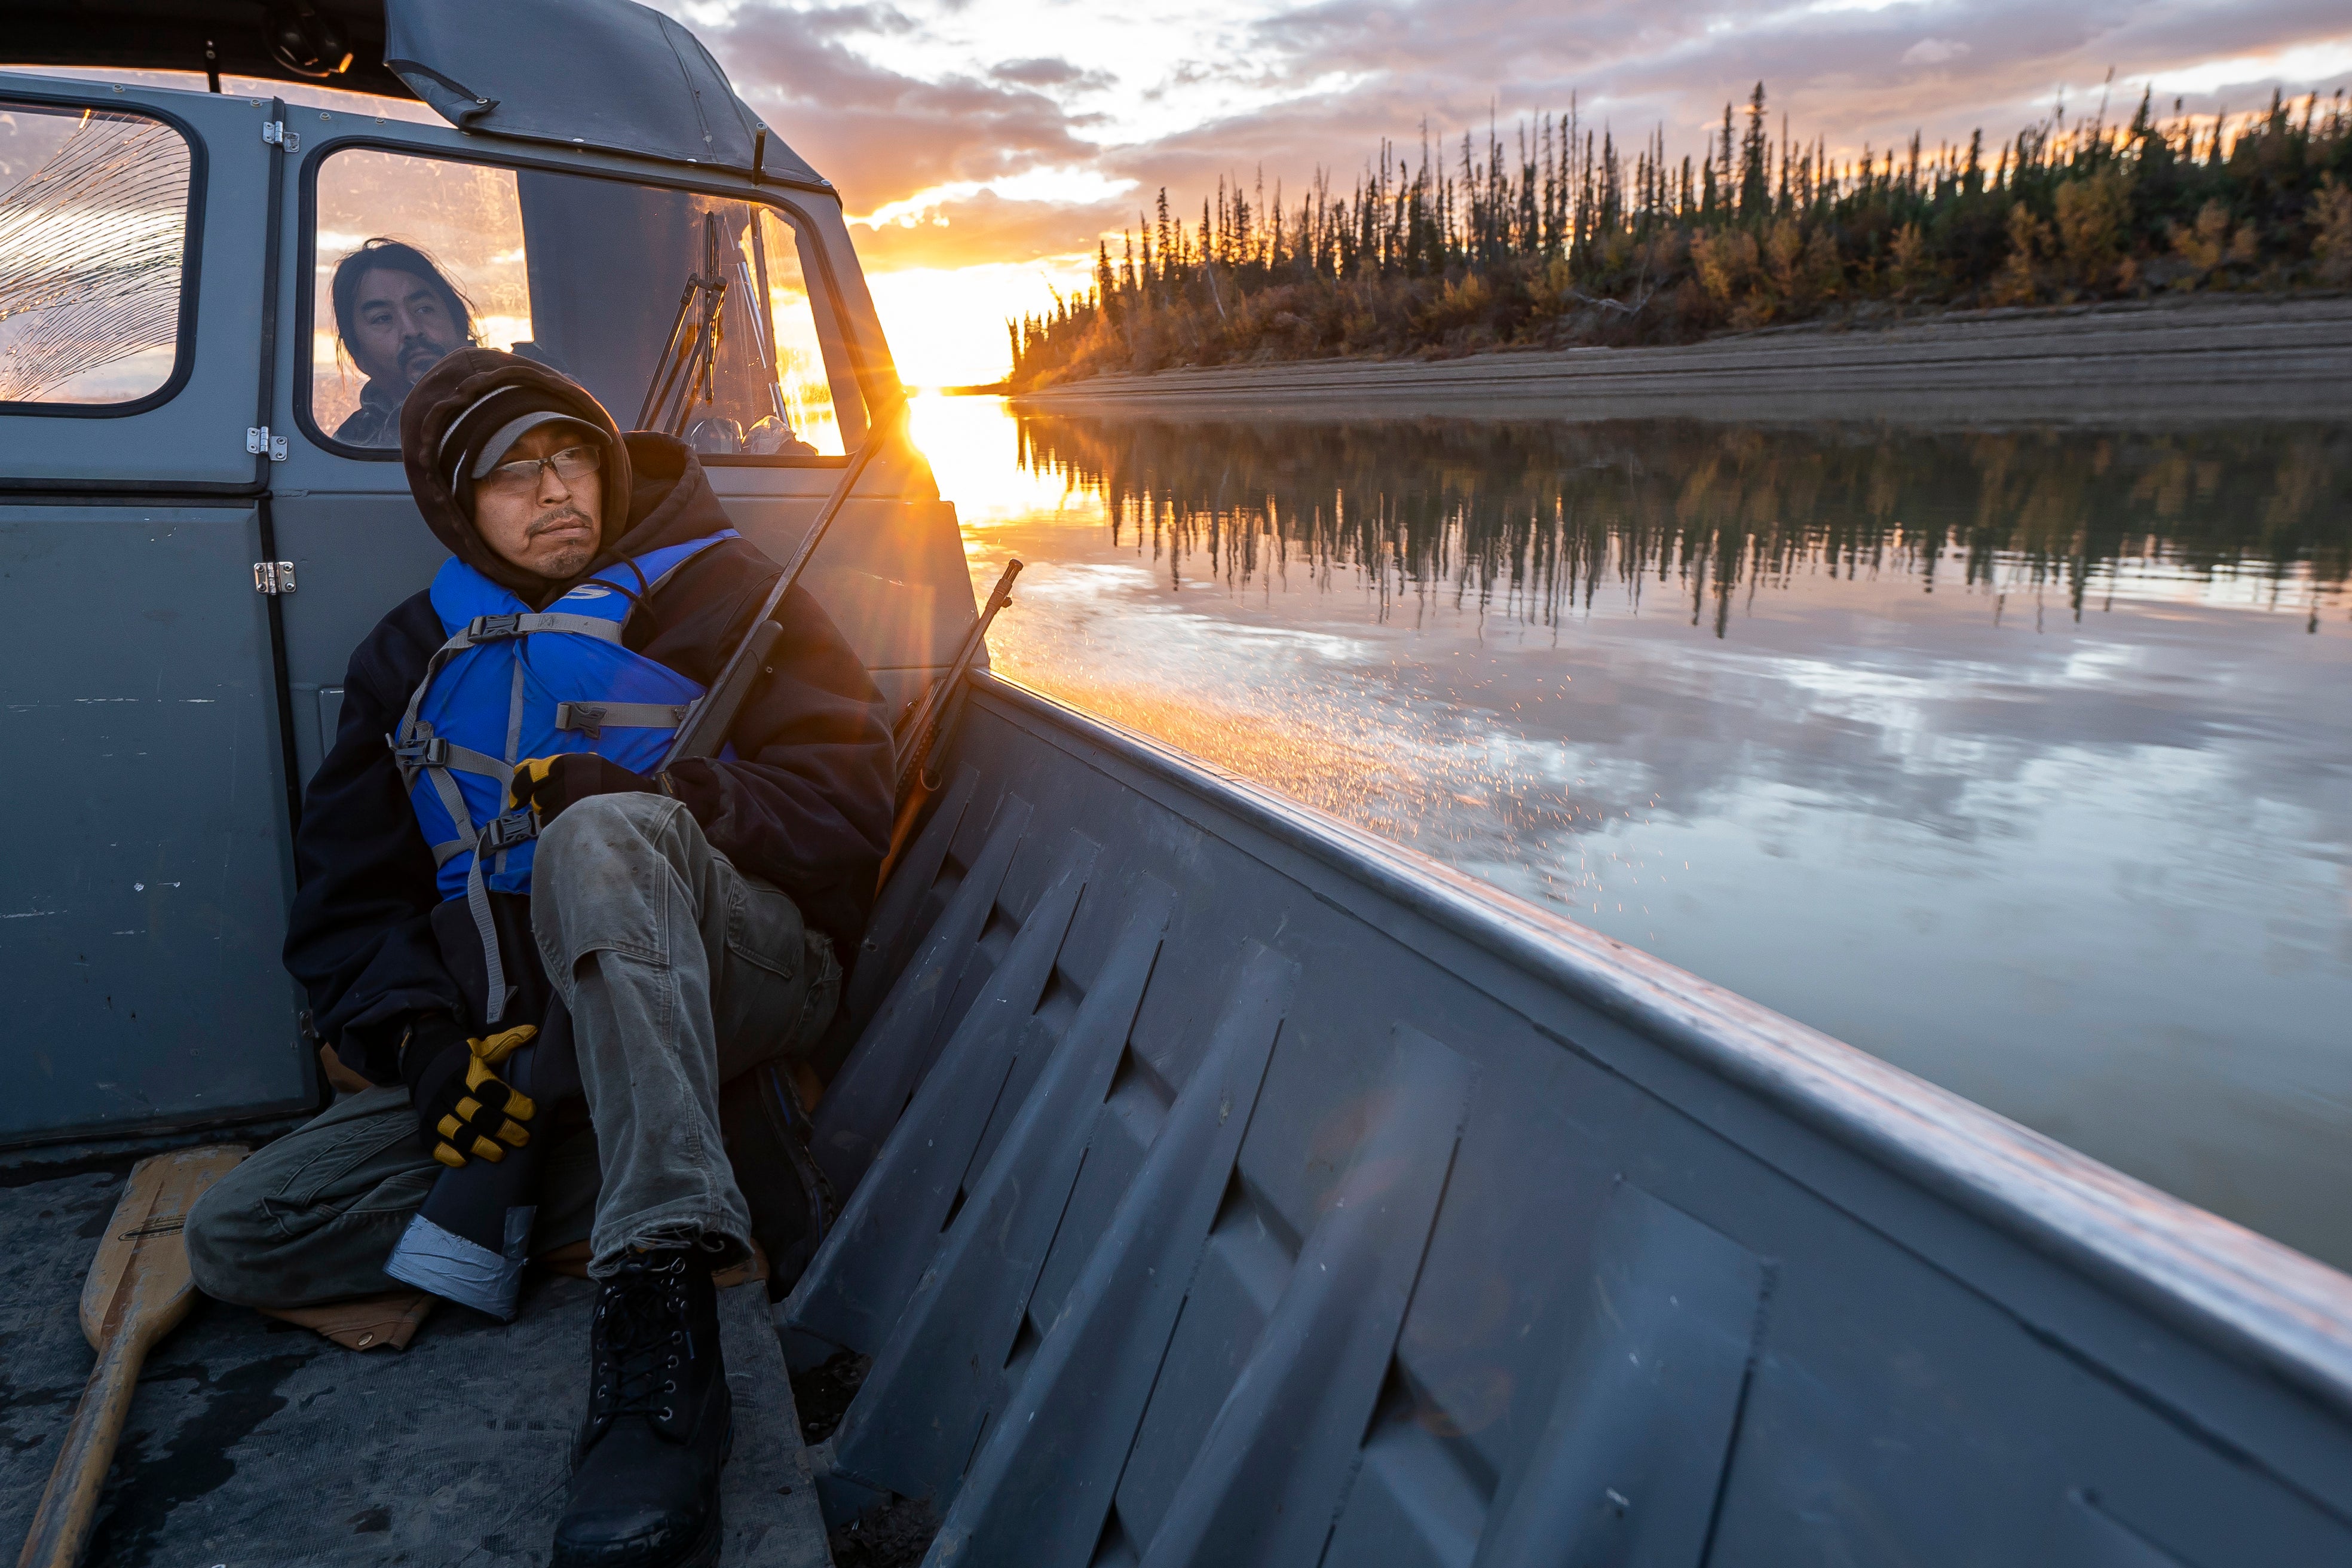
(143, 864)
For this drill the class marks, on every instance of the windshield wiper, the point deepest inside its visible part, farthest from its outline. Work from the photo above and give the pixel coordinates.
(690, 356)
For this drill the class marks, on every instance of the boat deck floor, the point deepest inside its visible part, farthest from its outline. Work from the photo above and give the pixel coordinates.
(254, 1443)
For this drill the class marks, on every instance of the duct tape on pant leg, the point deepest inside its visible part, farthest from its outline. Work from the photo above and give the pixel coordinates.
(466, 1272)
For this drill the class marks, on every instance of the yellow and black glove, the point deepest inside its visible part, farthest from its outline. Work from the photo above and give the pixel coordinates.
(464, 1109)
(547, 784)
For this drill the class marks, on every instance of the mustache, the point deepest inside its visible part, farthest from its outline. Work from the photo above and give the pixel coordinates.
(547, 522)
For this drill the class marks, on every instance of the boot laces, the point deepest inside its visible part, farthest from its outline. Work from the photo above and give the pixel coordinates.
(642, 1315)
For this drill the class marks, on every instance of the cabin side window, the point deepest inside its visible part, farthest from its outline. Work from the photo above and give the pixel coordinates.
(94, 218)
(682, 311)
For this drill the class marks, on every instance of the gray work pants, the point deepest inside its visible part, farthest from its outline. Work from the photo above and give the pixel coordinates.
(679, 972)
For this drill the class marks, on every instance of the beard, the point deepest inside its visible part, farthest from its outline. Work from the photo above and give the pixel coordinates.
(562, 558)
(419, 356)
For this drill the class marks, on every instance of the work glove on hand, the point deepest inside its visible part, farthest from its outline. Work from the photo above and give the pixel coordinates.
(464, 1109)
(547, 784)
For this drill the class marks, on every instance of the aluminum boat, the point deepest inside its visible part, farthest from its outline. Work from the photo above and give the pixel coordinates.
(1221, 1185)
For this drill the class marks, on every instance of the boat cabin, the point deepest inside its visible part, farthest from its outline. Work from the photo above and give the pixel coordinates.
(197, 366)
(1219, 1185)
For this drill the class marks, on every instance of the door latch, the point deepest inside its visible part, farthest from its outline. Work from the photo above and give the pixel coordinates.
(273, 576)
(274, 131)
(258, 440)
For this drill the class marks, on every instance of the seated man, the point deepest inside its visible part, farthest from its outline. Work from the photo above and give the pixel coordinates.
(398, 318)
(681, 927)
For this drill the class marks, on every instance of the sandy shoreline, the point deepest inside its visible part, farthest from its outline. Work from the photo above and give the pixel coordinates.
(2174, 360)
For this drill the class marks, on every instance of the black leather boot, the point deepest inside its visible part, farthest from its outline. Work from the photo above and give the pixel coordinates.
(645, 1472)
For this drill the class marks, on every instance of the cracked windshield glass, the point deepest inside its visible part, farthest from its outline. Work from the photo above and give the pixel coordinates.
(2022, 758)
(93, 225)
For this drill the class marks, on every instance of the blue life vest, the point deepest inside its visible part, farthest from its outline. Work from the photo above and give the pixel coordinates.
(513, 683)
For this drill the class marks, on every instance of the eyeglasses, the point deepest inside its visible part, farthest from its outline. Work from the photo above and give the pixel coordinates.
(571, 465)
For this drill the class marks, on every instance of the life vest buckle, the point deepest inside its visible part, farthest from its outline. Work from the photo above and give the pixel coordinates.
(588, 718)
(506, 832)
(424, 751)
(493, 628)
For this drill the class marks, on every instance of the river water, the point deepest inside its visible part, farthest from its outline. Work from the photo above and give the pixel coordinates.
(2020, 759)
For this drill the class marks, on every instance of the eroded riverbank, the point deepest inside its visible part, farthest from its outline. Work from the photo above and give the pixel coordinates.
(2174, 361)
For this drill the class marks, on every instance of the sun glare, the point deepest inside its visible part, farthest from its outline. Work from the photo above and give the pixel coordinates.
(946, 325)
(973, 448)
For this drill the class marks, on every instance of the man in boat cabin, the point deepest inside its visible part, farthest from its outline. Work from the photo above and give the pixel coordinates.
(398, 316)
(491, 857)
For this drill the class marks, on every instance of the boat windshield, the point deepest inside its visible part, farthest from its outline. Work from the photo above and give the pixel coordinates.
(681, 312)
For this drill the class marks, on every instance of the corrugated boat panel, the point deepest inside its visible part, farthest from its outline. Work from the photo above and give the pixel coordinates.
(1238, 1188)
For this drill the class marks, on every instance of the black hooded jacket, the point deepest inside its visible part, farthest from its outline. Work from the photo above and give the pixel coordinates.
(808, 808)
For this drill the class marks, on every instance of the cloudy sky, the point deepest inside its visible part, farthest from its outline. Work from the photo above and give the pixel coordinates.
(997, 139)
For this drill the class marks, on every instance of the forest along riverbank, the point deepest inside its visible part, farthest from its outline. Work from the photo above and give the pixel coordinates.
(1565, 243)
(2178, 362)
(2021, 759)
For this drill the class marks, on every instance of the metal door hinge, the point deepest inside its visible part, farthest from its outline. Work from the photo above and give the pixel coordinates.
(273, 576)
(274, 131)
(258, 440)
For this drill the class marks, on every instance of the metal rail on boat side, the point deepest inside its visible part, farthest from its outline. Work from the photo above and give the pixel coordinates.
(2242, 1292)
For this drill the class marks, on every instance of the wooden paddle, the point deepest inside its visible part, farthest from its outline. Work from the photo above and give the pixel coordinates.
(137, 1291)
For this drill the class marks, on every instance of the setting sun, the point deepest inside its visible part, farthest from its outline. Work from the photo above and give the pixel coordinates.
(947, 325)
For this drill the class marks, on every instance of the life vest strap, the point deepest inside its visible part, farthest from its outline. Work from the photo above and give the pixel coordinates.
(590, 718)
(503, 833)
(452, 801)
(499, 628)
(435, 751)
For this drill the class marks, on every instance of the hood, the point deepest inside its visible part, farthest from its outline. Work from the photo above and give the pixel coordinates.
(456, 383)
(670, 503)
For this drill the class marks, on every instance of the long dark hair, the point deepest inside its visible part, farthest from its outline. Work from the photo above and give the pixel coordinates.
(395, 255)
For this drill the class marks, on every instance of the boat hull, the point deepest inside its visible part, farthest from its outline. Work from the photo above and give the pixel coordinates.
(1230, 1185)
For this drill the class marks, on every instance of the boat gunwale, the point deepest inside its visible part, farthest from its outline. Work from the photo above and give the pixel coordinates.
(2211, 1277)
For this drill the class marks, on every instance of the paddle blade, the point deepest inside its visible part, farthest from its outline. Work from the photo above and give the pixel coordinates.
(139, 1281)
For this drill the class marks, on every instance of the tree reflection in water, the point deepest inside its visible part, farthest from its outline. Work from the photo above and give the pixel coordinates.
(1534, 519)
